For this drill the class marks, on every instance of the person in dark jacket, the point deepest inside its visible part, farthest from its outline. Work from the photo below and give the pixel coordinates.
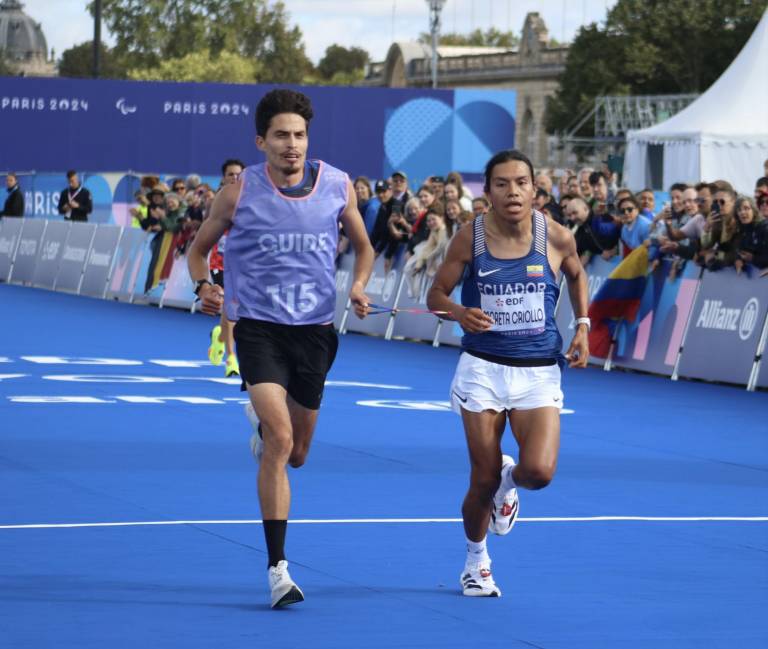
(14, 202)
(589, 243)
(380, 233)
(75, 201)
(752, 246)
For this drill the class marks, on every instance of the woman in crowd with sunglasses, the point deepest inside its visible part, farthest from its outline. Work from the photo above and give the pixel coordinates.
(718, 240)
(752, 247)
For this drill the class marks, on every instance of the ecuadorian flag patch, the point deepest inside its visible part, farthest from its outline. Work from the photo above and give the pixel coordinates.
(535, 270)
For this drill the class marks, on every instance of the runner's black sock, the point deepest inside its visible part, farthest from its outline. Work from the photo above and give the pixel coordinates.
(274, 533)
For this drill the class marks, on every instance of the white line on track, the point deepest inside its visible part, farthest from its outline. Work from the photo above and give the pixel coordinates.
(332, 521)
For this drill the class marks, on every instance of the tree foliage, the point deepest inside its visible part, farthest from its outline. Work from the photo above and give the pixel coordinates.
(5, 68)
(650, 47)
(478, 38)
(202, 66)
(342, 62)
(77, 62)
(150, 32)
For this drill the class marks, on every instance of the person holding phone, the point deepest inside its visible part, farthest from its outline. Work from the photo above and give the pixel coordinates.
(718, 241)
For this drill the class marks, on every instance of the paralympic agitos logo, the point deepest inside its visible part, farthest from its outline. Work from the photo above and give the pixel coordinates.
(124, 108)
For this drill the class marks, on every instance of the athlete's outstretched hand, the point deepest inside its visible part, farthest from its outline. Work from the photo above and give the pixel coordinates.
(211, 299)
(359, 300)
(474, 321)
(578, 352)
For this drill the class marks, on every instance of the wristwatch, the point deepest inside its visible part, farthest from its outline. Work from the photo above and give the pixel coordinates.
(199, 284)
(585, 321)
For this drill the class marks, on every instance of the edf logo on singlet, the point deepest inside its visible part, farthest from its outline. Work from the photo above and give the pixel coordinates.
(514, 308)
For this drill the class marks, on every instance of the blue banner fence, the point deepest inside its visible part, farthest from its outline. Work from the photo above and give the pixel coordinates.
(700, 325)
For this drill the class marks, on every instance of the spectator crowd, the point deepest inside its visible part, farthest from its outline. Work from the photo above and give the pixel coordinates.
(708, 223)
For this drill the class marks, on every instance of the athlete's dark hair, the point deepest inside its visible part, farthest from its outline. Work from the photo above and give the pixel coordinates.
(680, 187)
(629, 199)
(231, 162)
(71, 173)
(508, 155)
(595, 177)
(281, 100)
(762, 182)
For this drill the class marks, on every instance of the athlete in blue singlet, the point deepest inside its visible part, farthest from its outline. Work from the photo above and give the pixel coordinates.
(283, 218)
(511, 357)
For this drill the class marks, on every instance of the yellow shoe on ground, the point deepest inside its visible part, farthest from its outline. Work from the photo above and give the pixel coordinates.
(216, 350)
(233, 367)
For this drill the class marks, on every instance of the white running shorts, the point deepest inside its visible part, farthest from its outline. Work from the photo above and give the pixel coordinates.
(481, 385)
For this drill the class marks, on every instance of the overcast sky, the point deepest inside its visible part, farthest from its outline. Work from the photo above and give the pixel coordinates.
(370, 24)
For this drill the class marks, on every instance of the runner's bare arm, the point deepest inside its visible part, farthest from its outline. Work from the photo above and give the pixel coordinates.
(358, 237)
(562, 240)
(448, 276)
(217, 223)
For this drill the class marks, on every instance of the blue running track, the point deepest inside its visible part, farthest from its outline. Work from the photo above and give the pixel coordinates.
(376, 543)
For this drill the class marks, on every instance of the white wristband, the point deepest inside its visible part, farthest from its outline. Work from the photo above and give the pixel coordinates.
(585, 321)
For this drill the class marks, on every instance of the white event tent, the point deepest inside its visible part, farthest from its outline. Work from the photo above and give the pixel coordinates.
(721, 135)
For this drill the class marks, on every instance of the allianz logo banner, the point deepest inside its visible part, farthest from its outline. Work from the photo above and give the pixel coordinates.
(715, 314)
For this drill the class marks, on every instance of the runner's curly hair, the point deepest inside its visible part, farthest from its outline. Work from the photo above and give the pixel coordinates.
(281, 100)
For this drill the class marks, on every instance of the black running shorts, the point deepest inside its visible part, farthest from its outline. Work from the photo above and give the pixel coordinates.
(298, 357)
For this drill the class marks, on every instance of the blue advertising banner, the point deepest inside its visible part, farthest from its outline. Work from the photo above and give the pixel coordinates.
(42, 191)
(412, 294)
(382, 290)
(179, 289)
(103, 125)
(598, 270)
(450, 333)
(345, 266)
(762, 375)
(725, 328)
(51, 251)
(75, 255)
(27, 251)
(128, 261)
(651, 344)
(10, 230)
(99, 262)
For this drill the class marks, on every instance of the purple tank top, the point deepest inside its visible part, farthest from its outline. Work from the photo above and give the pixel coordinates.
(281, 251)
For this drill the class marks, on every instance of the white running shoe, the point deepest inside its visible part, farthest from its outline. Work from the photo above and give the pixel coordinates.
(284, 589)
(477, 581)
(506, 504)
(257, 444)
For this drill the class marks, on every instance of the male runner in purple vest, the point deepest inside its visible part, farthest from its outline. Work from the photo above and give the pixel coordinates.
(283, 219)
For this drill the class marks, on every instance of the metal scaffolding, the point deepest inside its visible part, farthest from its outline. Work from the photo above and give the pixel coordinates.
(615, 115)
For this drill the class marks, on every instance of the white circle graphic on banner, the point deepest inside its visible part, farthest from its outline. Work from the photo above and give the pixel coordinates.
(748, 318)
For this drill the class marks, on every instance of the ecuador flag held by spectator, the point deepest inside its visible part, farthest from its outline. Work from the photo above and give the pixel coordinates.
(617, 299)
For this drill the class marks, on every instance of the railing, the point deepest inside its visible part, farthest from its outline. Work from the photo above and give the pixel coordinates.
(685, 321)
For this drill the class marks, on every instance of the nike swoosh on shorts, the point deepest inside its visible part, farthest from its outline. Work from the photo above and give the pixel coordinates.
(460, 398)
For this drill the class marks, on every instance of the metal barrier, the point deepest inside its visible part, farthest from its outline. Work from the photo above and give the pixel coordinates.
(703, 325)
